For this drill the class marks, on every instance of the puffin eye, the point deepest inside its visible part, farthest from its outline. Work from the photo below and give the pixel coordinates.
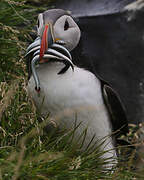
(66, 26)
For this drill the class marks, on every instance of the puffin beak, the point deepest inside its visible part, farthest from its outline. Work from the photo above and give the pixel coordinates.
(48, 47)
(47, 40)
(42, 43)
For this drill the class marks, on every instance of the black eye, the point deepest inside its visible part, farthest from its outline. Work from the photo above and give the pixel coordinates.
(66, 26)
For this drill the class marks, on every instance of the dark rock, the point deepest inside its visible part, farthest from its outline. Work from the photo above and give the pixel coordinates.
(112, 47)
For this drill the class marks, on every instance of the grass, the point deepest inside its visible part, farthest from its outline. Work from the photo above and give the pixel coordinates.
(27, 149)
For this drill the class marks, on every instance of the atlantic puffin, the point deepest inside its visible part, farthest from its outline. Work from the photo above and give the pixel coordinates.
(56, 85)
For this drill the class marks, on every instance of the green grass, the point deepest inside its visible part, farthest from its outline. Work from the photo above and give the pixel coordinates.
(27, 149)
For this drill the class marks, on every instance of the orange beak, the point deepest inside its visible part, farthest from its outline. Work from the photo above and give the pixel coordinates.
(47, 40)
(44, 42)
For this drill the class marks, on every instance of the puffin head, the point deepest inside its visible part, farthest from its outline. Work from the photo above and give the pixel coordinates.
(57, 35)
(58, 24)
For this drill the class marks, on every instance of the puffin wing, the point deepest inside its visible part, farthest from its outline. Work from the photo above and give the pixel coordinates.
(116, 110)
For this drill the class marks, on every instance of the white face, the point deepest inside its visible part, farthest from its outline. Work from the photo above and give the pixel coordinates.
(67, 30)
(64, 29)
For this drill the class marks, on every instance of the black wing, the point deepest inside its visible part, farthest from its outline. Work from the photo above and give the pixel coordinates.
(116, 110)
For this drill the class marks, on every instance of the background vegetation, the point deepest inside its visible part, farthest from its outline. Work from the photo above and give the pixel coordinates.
(27, 149)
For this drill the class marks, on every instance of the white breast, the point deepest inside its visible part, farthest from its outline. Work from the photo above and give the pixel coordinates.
(79, 92)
